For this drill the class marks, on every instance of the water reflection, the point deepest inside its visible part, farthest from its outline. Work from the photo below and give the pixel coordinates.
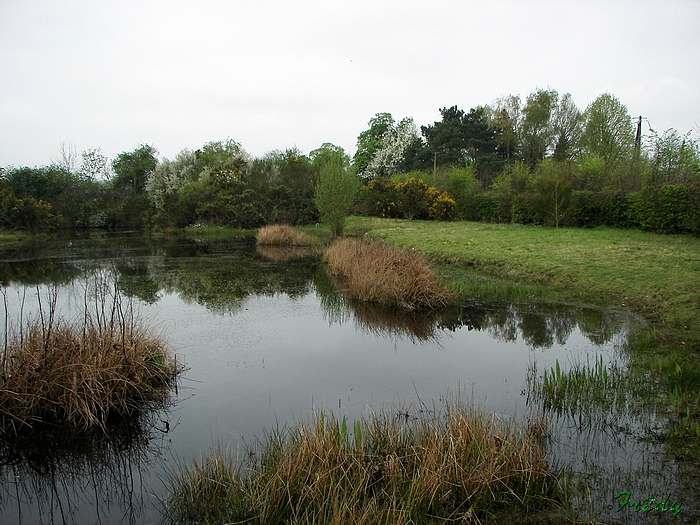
(540, 325)
(220, 275)
(51, 474)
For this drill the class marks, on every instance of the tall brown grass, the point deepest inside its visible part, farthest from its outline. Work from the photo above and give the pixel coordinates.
(383, 273)
(282, 235)
(457, 467)
(79, 372)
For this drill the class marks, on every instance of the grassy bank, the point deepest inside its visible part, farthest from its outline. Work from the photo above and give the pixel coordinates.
(454, 466)
(657, 276)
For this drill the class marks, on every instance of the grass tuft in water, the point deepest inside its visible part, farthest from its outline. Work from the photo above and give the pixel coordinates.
(456, 466)
(584, 391)
(283, 235)
(80, 372)
(378, 272)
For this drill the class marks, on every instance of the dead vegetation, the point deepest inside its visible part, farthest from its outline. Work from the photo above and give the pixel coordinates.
(383, 273)
(80, 372)
(282, 235)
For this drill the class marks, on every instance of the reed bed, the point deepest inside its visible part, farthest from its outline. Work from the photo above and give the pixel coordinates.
(285, 253)
(383, 273)
(458, 467)
(282, 235)
(80, 372)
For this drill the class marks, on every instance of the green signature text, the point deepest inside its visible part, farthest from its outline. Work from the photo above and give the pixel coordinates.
(647, 505)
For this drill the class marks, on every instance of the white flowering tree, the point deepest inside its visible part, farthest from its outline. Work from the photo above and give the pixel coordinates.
(169, 176)
(387, 159)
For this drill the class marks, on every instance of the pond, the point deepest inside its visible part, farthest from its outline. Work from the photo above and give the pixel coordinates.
(268, 341)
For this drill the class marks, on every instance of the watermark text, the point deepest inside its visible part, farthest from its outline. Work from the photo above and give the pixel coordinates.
(624, 499)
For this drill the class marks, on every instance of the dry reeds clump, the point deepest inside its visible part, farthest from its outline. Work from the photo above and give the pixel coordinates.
(282, 235)
(285, 253)
(383, 273)
(458, 467)
(79, 373)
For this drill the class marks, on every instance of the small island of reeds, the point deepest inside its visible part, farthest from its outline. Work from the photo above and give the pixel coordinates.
(447, 466)
(383, 273)
(282, 235)
(78, 373)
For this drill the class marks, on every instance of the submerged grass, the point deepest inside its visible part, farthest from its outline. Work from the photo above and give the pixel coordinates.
(454, 466)
(386, 274)
(79, 373)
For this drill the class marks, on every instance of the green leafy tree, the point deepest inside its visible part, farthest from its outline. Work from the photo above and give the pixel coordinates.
(26, 213)
(505, 118)
(336, 189)
(537, 134)
(131, 169)
(73, 199)
(286, 180)
(463, 138)
(589, 174)
(609, 134)
(296, 171)
(128, 204)
(566, 129)
(553, 186)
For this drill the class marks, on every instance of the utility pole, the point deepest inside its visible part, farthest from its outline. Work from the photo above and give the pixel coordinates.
(638, 137)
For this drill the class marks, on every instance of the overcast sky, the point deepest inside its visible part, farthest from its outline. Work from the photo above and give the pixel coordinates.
(277, 74)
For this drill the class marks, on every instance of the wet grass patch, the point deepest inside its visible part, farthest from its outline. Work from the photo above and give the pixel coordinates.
(453, 465)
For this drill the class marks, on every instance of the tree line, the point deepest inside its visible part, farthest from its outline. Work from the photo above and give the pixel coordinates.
(540, 160)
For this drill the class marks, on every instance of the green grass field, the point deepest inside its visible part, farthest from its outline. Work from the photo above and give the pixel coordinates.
(656, 276)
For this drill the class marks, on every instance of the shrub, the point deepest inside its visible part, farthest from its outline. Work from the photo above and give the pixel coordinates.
(443, 208)
(462, 185)
(411, 199)
(381, 195)
(415, 198)
(668, 208)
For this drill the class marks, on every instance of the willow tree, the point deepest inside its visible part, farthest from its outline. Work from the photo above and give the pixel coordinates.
(336, 190)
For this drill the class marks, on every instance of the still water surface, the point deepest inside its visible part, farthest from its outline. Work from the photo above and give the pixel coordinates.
(269, 343)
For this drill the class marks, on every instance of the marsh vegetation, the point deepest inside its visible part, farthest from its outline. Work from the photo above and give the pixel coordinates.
(282, 235)
(378, 272)
(450, 464)
(80, 372)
